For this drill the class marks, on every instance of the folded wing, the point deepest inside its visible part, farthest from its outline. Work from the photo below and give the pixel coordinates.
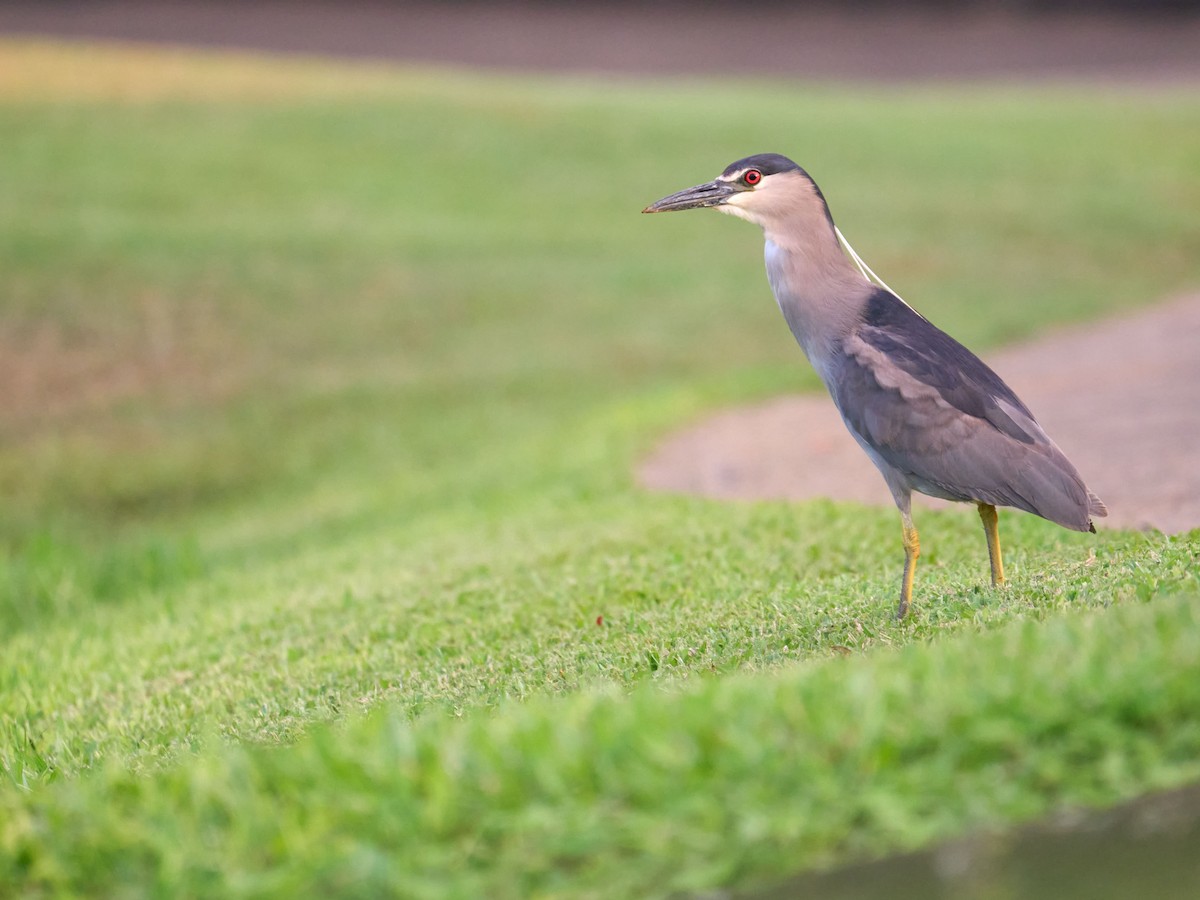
(949, 425)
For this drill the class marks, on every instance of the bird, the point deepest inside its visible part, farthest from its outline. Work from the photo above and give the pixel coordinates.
(930, 414)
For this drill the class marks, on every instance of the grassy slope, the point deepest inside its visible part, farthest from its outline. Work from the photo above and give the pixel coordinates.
(731, 780)
(338, 374)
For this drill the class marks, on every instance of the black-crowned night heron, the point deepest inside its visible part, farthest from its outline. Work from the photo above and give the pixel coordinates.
(930, 415)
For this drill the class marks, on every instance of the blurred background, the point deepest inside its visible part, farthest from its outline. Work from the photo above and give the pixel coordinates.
(202, 251)
(261, 306)
(859, 40)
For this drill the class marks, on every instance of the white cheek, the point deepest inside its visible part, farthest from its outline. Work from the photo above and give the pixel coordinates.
(733, 206)
(734, 211)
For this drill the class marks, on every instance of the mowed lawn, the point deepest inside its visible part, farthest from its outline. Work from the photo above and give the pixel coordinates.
(322, 569)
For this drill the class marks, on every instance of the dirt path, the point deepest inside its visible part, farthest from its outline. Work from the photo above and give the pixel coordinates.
(1121, 397)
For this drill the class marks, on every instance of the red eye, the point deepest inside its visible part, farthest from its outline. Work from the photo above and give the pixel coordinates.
(752, 177)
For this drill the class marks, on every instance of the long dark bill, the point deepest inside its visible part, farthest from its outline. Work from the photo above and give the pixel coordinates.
(714, 193)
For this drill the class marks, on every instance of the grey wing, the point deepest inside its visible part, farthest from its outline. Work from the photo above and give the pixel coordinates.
(947, 424)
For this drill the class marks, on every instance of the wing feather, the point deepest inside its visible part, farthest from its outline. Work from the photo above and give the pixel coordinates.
(936, 413)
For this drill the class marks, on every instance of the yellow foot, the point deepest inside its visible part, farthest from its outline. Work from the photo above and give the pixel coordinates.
(912, 549)
(987, 513)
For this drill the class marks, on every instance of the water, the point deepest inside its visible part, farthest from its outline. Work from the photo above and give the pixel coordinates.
(1149, 848)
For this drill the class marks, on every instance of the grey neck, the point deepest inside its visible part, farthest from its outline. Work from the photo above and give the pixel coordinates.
(820, 292)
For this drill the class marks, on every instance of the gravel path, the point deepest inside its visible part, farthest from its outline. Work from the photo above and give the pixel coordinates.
(1122, 399)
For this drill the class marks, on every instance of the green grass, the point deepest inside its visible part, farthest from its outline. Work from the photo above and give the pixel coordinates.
(601, 794)
(327, 385)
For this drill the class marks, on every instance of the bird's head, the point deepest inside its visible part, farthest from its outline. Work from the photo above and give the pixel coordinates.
(767, 189)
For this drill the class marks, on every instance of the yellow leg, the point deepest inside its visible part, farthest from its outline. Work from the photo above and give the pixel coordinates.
(987, 512)
(912, 549)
